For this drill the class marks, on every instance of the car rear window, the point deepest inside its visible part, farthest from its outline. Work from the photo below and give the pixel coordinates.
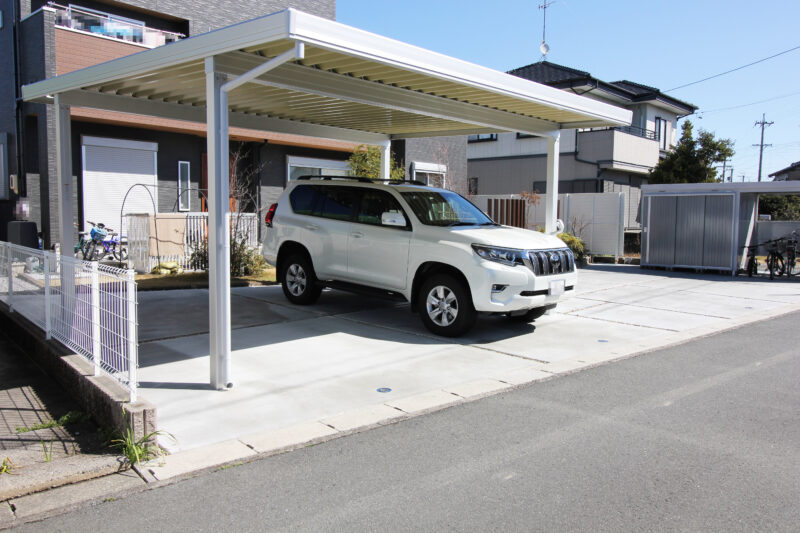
(303, 198)
(338, 202)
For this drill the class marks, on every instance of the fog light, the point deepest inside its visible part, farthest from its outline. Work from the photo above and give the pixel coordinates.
(499, 288)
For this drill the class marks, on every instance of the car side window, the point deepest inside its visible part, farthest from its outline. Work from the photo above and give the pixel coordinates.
(373, 204)
(336, 203)
(303, 199)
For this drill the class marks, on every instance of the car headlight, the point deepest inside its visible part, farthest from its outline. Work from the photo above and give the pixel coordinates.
(506, 256)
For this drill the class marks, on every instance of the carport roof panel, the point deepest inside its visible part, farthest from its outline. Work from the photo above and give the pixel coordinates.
(348, 78)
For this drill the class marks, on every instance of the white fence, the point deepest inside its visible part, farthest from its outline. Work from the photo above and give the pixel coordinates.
(597, 218)
(768, 230)
(88, 307)
(179, 235)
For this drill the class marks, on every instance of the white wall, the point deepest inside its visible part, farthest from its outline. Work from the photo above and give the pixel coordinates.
(507, 144)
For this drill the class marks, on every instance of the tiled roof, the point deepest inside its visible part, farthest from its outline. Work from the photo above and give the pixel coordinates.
(566, 77)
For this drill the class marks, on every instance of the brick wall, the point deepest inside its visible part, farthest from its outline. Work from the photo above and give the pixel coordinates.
(75, 50)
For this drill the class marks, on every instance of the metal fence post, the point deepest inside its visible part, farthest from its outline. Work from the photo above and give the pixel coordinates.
(10, 278)
(96, 344)
(46, 272)
(133, 345)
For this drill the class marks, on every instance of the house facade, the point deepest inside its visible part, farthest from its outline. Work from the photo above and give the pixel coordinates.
(126, 163)
(591, 160)
(790, 173)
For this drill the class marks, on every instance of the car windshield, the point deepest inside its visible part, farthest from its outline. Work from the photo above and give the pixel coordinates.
(445, 208)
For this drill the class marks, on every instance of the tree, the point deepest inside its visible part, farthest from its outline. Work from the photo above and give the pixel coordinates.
(780, 207)
(366, 163)
(692, 160)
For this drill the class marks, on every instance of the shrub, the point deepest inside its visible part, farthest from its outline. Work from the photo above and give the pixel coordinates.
(245, 261)
(575, 244)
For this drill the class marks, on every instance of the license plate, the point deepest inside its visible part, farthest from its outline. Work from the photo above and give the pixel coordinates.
(557, 288)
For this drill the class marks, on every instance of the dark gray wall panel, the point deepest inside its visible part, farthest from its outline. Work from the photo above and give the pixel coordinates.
(662, 230)
(717, 234)
(690, 212)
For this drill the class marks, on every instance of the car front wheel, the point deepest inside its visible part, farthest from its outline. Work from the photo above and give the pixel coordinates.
(445, 306)
(299, 282)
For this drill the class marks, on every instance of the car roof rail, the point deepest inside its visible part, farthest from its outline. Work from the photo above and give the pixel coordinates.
(358, 179)
(329, 177)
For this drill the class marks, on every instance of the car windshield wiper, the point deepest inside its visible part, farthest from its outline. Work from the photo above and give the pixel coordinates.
(459, 223)
(489, 224)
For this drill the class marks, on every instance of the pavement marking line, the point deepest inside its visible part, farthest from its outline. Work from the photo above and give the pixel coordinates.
(576, 313)
(278, 439)
(426, 401)
(55, 501)
(363, 417)
(198, 459)
(480, 387)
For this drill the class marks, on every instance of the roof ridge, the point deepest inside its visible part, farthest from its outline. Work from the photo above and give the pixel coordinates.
(551, 64)
(643, 86)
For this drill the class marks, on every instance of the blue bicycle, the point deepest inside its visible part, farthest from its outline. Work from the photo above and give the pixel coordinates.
(102, 242)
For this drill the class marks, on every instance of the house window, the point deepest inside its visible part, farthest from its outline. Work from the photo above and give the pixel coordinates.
(431, 174)
(661, 133)
(481, 137)
(473, 186)
(310, 166)
(184, 184)
(525, 136)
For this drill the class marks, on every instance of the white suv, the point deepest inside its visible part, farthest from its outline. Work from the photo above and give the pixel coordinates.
(430, 247)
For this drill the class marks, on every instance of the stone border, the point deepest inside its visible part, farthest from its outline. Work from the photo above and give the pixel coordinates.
(102, 396)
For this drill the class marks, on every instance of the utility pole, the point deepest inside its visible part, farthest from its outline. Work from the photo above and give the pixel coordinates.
(742, 178)
(763, 122)
(724, 162)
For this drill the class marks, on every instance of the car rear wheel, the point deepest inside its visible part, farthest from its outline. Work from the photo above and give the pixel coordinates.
(445, 306)
(299, 282)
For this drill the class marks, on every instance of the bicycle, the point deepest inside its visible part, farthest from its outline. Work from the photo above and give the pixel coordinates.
(752, 262)
(791, 263)
(775, 262)
(104, 242)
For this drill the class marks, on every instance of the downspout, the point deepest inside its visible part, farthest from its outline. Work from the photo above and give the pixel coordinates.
(20, 131)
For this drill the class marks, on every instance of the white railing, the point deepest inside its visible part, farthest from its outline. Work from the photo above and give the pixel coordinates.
(88, 307)
(144, 254)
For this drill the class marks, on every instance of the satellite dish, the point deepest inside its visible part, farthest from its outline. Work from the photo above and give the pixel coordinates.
(544, 49)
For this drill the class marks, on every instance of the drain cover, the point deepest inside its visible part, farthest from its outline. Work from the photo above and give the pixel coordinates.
(602, 340)
(384, 389)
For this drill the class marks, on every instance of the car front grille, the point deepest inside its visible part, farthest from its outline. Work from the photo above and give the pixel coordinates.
(549, 262)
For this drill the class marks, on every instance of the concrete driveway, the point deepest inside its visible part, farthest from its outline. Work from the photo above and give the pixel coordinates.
(325, 363)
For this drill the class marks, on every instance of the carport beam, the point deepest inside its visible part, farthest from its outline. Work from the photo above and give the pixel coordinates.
(551, 204)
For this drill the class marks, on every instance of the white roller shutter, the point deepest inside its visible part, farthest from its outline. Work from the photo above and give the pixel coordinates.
(110, 168)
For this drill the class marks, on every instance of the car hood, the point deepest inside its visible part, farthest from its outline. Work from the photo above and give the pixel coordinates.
(506, 237)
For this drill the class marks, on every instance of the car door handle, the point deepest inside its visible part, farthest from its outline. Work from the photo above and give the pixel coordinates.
(357, 234)
(312, 227)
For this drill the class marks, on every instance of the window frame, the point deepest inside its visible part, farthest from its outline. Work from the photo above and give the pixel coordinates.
(481, 137)
(181, 192)
(363, 193)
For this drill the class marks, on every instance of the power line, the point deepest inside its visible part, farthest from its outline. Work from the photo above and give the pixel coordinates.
(735, 69)
(702, 112)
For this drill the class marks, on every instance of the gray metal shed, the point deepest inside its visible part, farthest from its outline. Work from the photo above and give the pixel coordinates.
(702, 225)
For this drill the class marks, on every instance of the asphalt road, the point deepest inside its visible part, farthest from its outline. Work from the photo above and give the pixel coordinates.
(700, 437)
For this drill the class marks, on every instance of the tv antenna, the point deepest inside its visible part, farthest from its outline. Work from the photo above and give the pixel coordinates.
(544, 48)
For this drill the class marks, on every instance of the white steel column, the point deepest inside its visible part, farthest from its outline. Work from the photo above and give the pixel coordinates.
(386, 161)
(64, 170)
(219, 273)
(551, 205)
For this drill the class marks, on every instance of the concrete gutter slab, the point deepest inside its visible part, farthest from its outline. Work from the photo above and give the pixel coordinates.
(425, 402)
(199, 459)
(279, 439)
(366, 416)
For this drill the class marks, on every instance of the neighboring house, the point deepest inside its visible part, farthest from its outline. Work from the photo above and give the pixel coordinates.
(112, 152)
(790, 173)
(592, 160)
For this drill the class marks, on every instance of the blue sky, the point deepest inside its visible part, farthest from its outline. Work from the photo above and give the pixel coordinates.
(663, 44)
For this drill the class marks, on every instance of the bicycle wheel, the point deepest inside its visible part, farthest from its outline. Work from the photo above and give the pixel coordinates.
(792, 265)
(752, 267)
(89, 251)
(120, 253)
(775, 264)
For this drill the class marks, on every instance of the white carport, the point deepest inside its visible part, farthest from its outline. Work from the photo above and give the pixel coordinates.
(290, 72)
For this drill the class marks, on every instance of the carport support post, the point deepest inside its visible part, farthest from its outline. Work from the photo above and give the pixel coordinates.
(551, 204)
(386, 161)
(219, 273)
(65, 209)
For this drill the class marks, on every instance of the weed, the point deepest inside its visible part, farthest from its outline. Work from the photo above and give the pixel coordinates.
(48, 454)
(225, 467)
(6, 466)
(109, 499)
(138, 450)
(72, 417)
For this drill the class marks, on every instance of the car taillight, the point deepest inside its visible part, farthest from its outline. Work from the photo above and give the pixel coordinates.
(270, 215)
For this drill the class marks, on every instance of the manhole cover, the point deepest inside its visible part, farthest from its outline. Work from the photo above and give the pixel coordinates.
(602, 340)
(384, 389)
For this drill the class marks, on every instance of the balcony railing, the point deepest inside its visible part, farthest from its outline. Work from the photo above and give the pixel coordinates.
(107, 25)
(639, 132)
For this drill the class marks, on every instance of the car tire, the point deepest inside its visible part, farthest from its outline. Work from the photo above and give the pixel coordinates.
(445, 306)
(531, 314)
(298, 280)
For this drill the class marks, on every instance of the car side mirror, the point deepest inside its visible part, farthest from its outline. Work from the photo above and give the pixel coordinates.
(389, 218)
